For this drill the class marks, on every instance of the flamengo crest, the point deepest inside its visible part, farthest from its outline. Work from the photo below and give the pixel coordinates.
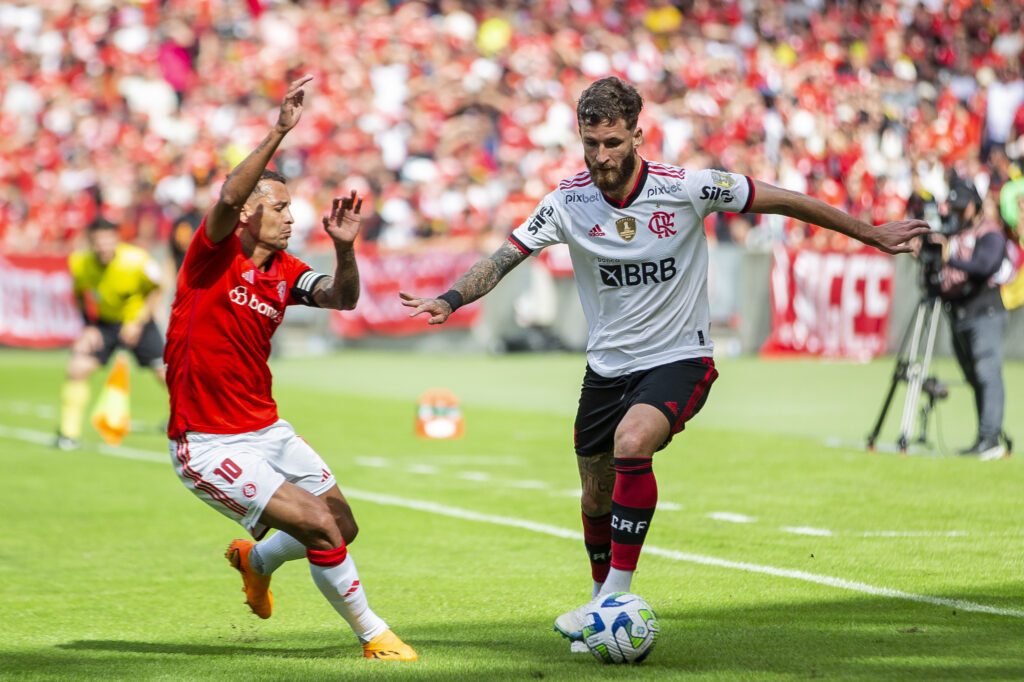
(662, 223)
(626, 228)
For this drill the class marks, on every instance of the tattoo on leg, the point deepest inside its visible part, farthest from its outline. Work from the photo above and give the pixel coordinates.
(597, 480)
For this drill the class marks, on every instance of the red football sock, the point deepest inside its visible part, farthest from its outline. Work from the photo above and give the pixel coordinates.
(633, 501)
(597, 538)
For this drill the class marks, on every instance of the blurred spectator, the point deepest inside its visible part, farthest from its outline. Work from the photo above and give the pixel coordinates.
(453, 112)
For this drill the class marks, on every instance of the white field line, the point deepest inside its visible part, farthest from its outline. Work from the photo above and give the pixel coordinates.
(556, 531)
(731, 517)
(806, 530)
(49, 412)
(734, 517)
(468, 515)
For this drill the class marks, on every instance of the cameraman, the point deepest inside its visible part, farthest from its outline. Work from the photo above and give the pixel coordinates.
(973, 248)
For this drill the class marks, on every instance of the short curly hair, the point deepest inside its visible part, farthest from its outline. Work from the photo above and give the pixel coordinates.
(609, 100)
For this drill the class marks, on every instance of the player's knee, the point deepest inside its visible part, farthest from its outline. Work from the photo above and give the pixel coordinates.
(349, 529)
(318, 529)
(631, 443)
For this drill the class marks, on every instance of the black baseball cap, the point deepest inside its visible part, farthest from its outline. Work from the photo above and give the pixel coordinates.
(962, 194)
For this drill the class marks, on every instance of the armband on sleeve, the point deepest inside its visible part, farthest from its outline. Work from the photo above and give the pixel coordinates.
(305, 285)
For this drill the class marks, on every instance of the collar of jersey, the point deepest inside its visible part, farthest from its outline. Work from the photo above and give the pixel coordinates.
(269, 272)
(640, 180)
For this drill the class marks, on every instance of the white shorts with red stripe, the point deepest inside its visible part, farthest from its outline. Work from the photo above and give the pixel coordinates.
(238, 473)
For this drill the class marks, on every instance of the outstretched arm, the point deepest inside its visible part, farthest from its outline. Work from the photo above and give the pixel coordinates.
(341, 291)
(223, 217)
(892, 237)
(477, 281)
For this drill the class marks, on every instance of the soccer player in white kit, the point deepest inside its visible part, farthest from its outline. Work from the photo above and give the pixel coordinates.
(635, 231)
(227, 443)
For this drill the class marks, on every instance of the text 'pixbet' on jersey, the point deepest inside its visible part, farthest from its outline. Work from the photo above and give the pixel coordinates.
(635, 274)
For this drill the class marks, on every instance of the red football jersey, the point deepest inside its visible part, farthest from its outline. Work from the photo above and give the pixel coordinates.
(218, 340)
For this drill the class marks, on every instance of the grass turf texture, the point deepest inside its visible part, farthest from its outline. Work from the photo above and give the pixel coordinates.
(110, 569)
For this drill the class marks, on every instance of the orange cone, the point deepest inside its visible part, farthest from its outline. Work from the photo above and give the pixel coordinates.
(439, 415)
(111, 416)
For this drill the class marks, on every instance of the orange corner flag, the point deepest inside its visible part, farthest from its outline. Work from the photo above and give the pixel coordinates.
(111, 416)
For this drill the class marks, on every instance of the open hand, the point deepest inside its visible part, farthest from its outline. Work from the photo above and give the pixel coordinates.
(343, 224)
(437, 309)
(897, 236)
(291, 107)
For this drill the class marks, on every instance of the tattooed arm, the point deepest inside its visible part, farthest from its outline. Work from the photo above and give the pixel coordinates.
(477, 281)
(341, 291)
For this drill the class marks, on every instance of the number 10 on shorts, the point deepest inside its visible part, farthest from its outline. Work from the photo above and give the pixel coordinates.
(228, 470)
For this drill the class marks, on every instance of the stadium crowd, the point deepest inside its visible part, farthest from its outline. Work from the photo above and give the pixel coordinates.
(456, 116)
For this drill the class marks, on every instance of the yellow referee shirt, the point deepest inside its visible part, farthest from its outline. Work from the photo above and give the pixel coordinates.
(118, 290)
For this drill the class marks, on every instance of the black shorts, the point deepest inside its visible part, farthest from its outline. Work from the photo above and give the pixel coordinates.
(678, 389)
(148, 352)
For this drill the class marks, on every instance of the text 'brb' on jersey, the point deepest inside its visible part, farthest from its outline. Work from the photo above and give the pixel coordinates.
(641, 266)
(218, 339)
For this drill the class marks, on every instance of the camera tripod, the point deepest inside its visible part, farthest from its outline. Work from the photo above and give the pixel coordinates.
(912, 364)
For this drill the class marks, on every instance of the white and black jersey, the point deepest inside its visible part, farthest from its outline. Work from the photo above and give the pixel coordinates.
(641, 266)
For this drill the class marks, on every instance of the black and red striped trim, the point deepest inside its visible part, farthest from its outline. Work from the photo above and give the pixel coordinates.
(519, 245)
(750, 195)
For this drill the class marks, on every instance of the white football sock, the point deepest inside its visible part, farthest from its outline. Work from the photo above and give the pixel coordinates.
(596, 590)
(617, 581)
(267, 555)
(340, 584)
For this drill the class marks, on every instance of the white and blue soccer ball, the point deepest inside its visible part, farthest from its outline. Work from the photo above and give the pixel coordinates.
(621, 628)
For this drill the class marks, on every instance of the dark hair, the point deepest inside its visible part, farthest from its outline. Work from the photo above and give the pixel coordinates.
(267, 175)
(607, 101)
(100, 224)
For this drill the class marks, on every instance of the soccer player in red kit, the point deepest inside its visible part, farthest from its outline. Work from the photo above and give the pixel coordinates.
(227, 443)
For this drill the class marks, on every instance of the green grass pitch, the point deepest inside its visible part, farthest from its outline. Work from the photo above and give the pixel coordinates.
(781, 549)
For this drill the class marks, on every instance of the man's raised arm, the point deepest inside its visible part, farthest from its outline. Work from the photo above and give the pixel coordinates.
(241, 181)
(478, 280)
(892, 237)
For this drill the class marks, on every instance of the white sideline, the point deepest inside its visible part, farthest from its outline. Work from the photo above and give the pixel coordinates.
(40, 437)
(455, 512)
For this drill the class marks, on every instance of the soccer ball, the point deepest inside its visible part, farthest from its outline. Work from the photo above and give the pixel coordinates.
(622, 629)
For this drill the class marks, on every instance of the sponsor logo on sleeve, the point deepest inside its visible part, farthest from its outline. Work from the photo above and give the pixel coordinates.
(714, 193)
(540, 219)
(722, 179)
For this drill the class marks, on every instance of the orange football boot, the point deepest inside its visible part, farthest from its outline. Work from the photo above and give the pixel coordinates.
(388, 647)
(255, 585)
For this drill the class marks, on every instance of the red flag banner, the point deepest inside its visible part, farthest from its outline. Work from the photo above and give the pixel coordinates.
(833, 304)
(37, 307)
(381, 276)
